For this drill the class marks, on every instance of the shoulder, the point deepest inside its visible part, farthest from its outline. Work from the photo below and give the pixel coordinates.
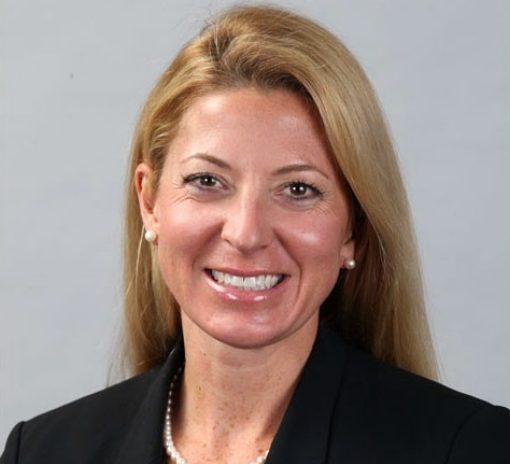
(113, 402)
(398, 387)
(101, 418)
(398, 412)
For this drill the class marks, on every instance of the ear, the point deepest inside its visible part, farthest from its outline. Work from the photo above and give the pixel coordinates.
(347, 251)
(144, 180)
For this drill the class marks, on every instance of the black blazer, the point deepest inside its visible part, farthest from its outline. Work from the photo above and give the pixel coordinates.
(348, 408)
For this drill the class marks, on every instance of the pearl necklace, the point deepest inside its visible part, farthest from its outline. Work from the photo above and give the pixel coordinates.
(171, 450)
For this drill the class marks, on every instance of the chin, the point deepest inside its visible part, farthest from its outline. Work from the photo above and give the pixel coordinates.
(246, 339)
(260, 336)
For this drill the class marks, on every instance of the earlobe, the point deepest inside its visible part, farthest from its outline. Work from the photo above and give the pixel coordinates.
(144, 181)
(347, 253)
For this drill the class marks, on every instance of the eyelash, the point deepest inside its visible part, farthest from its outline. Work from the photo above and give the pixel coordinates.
(200, 176)
(316, 192)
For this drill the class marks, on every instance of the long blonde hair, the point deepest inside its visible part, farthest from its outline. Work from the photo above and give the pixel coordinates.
(378, 306)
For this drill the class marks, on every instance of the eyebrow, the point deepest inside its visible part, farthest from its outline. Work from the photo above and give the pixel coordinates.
(209, 158)
(297, 167)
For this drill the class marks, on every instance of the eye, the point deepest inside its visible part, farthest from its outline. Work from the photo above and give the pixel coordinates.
(203, 181)
(300, 190)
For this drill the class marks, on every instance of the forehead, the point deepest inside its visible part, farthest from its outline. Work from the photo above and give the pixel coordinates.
(251, 121)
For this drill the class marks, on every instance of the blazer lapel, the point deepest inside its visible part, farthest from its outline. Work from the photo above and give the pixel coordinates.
(144, 441)
(303, 435)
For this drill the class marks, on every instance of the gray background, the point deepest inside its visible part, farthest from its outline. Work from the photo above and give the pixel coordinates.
(73, 76)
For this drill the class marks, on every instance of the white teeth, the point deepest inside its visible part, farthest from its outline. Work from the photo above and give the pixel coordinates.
(236, 281)
(261, 282)
(249, 282)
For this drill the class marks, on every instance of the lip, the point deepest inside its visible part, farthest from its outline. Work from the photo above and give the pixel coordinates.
(244, 272)
(230, 293)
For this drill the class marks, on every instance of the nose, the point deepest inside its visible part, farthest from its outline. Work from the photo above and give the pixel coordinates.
(247, 225)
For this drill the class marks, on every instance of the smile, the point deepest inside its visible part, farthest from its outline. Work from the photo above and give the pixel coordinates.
(260, 282)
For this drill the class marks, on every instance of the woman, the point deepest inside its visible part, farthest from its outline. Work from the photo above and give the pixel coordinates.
(274, 308)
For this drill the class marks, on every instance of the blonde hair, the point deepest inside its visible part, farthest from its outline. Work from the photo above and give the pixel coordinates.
(379, 306)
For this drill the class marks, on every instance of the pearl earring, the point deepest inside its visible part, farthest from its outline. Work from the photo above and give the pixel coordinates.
(150, 235)
(350, 264)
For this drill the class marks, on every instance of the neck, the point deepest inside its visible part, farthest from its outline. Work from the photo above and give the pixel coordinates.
(235, 395)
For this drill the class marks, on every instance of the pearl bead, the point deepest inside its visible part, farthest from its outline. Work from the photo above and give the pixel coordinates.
(350, 264)
(171, 450)
(150, 235)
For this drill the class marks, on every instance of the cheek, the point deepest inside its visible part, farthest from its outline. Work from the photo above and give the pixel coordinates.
(184, 235)
(317, 239)
(316, 244)
(315, 247)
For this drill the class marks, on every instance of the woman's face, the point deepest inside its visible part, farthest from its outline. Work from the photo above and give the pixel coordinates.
(252, 224)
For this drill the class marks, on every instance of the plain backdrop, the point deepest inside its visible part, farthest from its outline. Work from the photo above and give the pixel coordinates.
(73, 76)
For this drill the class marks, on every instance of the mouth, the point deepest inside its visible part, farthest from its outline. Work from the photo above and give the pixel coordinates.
(246, 283)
